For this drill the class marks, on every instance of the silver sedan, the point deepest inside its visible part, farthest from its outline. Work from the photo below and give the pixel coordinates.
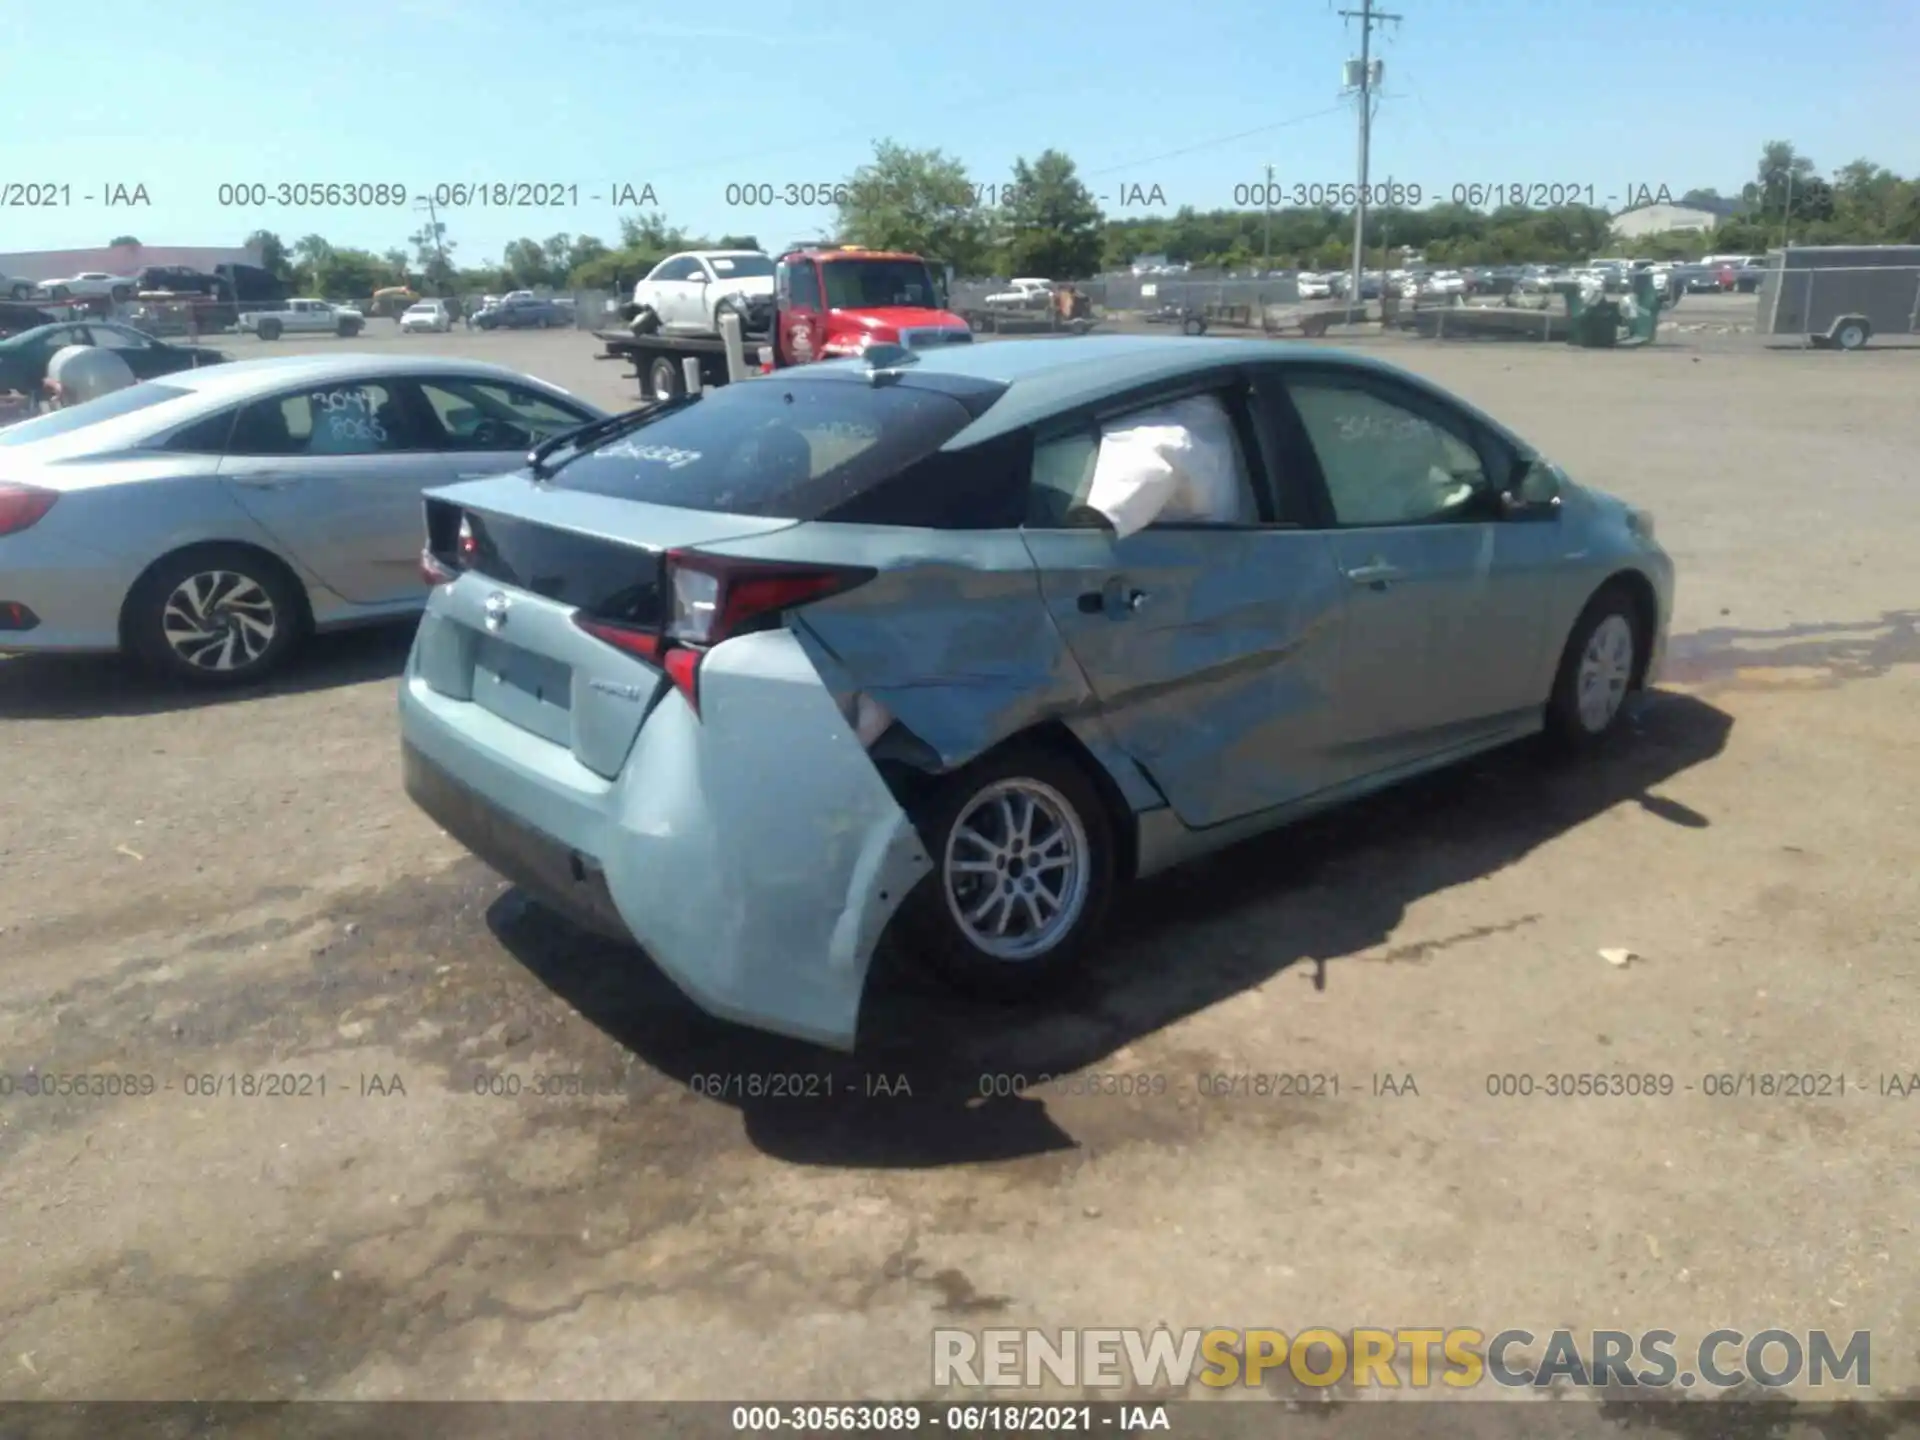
(207, 522)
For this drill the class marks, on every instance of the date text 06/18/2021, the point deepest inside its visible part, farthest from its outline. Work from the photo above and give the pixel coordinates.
(1277, 193)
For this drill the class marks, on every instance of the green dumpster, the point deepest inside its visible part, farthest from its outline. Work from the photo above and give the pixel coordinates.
(1603, 323)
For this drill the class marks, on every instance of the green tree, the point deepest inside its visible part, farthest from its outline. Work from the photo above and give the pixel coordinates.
(312, 252)
(272, 252)
(916, 200)
(584, 250)
(1053, 223)
(525, 260)
(1782, 170)
(652, 232)
(433, 252)
(349, 274)
(120, 240)
(395, 260)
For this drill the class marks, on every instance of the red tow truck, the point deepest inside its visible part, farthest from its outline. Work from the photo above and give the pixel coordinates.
(830, 301)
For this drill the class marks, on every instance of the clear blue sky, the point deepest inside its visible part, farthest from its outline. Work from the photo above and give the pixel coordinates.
(689, 98)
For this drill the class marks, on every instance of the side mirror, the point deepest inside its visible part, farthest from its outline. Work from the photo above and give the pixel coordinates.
(1531, 493)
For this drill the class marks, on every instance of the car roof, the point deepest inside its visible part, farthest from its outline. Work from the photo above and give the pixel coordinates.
(1045, 377)
(242, 377)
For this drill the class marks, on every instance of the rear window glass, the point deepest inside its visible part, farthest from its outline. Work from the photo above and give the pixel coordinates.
(776, 448)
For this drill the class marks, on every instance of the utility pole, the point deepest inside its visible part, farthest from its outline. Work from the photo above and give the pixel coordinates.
(1368, 18)
(1267, 197)
(433, 230)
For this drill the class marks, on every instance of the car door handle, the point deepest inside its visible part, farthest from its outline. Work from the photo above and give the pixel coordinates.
(1112, 603)
(1377, 573)
(266, 480)
(476, 474)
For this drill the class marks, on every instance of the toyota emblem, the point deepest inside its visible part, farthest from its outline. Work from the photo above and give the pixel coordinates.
(496, 610)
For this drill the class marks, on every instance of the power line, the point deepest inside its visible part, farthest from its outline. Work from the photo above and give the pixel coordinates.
(1209, 144)
(1368, 18)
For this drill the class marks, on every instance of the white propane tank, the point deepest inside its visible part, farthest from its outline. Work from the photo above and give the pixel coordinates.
(86, 372)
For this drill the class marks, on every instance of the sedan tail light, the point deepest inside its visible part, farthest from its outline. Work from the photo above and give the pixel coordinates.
(714, 598)
(23, 506)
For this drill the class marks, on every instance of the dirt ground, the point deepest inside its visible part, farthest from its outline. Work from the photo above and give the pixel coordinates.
(196, 891)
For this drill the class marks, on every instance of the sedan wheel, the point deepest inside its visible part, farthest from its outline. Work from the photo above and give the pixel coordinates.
(1606, 668)
(222, 615)
(1596, 671)
(1024, 870)
(1016, 869)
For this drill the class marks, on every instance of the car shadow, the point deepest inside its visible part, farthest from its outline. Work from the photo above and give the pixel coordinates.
(85, 687)
(921, 1089)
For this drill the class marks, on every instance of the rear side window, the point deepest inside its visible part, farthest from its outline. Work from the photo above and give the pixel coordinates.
(204, 437)
(777, 448)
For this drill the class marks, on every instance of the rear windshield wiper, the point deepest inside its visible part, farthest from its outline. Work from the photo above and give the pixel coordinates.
(594, 431)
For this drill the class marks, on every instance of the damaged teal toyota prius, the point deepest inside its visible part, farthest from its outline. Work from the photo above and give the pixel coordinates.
(962, 640)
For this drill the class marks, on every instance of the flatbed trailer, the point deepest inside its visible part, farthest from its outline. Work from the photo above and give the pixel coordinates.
(1019, 320)
(659, 361)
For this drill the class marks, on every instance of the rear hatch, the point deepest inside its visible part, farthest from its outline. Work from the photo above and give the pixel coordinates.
(503, 636)
(558, 609)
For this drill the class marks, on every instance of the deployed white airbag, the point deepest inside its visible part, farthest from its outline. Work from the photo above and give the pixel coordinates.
(1173, 463)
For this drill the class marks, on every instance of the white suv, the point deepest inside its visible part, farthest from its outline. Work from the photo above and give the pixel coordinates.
(686, 293)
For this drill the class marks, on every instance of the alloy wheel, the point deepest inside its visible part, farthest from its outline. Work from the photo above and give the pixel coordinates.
(219, 620)
(1017, 870)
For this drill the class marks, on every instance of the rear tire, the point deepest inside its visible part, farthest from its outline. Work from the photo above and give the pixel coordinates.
(215, 615)
(664, 380)
(983, 826)
(269, 330)
(1851, 335)
(1604, 656)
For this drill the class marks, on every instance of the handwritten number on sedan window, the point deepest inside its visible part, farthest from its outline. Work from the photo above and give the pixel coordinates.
(350, 415)
(1355, 429)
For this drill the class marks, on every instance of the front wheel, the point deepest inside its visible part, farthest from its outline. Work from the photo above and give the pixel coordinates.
(1024, 871)
(1599, 666)
(269, 330)
(216, 615)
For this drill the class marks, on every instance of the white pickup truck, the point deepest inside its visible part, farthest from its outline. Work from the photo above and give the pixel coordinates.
(302, 317)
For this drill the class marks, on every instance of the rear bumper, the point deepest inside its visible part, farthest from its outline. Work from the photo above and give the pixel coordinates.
(753, 850)
(75, 592)
(545, 867)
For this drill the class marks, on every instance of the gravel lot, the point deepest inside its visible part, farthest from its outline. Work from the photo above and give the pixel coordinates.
(240, 888)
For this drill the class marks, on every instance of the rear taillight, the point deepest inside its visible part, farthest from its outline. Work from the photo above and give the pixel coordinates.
(434, 570)
(436, 566)
(714, 598)
(22, 506)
